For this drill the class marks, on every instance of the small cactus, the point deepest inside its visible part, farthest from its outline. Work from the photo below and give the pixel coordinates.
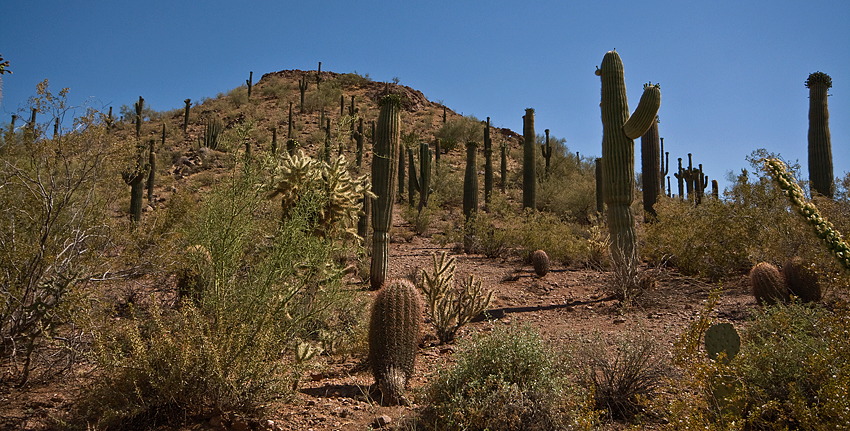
(801, 280)
(768, 284)
(540, 261)
(394, 336)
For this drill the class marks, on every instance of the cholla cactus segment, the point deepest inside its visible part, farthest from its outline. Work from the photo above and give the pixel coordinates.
(341, 194)
(823, 228)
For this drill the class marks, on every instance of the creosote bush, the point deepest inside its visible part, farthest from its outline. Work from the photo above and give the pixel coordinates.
(506, 380)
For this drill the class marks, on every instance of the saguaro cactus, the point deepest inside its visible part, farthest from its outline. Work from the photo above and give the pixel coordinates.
(188, 103)
(600, 203)
(618, 151)
(529, 176)
(546, 149)
(385, 152)
(140, 106)
(302, 87)
(393, 337)
(250, 82)
(470, 180)
(422, 182)
(135, 178)
(488, 164)
(650, 155)
(358, 139)
(820, 146)
(503, 169)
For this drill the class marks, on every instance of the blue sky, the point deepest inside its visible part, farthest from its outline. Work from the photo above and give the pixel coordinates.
(731, 72)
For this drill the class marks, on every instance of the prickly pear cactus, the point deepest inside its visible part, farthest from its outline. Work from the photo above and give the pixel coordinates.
(722, 337)
(768, 284)
(540, 261)
(618, 151)
(393, 337)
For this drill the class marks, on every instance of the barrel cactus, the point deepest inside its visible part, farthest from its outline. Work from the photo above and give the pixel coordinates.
(540, 262)
(385, 155)
(802, 280)
(618, 151)
(820, 147)
(768, 284)
(394, 336)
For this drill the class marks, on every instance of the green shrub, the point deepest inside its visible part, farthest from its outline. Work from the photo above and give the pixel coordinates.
(792, 372)
(259, 293)
(569, 188)
(54, 227)
(238, 96)
(277, 88)
(325, 97)
(458, 131)
(353, 79)
(506, 380)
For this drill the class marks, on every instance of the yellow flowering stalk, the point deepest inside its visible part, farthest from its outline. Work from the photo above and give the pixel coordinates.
(823, 228)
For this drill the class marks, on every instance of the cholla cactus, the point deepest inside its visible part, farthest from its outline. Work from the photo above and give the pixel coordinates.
(823, 228)
(450, 308)
(341, 194)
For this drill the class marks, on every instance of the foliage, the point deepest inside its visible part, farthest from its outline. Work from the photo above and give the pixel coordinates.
(622, 382)
(725, 238)
(569, 187)
(506, 380)
(458, 131)
(450, 307)
(53, 224)
(325, 97)
(353, 79)
(792, 372)
(223, 350)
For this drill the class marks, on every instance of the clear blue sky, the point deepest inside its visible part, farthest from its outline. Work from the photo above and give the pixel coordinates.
(731, 72)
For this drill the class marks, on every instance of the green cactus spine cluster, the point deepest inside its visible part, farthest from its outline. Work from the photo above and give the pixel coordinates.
(650, 156)
(470, 180)
(385, 153)
(618, 152)
(488, 164)
(393, 337)
(820, 145)
(768, 285)
(540, 262)
(529, 176)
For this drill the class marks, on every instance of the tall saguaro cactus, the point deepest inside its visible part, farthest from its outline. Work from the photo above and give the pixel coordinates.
(618, 151)
(470, 180)
(546, 149)
(250, 83)
(188, 103)
(140, 106)
(384, 155)
(488, 164)
(820, 146)
(650, 159)
(529, 176)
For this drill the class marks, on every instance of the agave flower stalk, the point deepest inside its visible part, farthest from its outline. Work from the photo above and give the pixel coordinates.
(823, 228)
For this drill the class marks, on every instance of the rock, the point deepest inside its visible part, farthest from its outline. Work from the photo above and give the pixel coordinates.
(382, 421)
(619, 320)
(240, 424)
(215, 421)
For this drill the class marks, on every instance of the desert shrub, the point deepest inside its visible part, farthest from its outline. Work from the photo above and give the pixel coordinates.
(623, 381)
(565, 242)
(446, 185)
(277, 88)
(263, 288)
(54, 227)
(238, 96)
(506, 380)
(353, 79)
(325, 97)
(569, 188)
(459, 130)
(792, 372)
(420, 220)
